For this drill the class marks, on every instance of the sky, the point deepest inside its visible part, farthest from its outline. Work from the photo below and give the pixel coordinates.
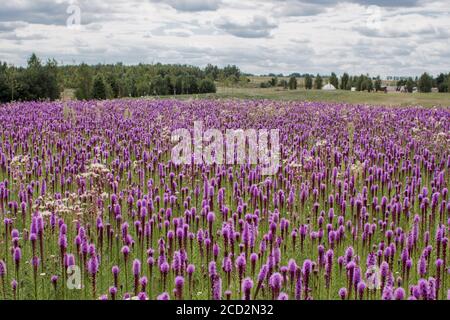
(379, 37)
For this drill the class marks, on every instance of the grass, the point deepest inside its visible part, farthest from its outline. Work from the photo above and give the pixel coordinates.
(339, 96)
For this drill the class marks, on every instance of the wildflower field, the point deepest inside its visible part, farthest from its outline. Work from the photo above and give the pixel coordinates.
(93, 207)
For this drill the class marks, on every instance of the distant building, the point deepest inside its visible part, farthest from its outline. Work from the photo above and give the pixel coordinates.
(329, 87)
(391, 88)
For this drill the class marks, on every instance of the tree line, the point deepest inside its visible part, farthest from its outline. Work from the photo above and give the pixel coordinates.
(35, 82)
(424, 83)
(46, 81)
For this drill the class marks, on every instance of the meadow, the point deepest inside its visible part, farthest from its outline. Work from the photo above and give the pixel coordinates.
(93, 207)
(340, 96)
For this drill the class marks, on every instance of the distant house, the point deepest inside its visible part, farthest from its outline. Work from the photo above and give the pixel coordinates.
(391, 88)
(353, 89)
(329, 87)
(434, 90)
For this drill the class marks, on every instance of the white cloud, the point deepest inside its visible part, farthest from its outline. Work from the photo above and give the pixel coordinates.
(191, 5)
(401, 37)
(257, 27)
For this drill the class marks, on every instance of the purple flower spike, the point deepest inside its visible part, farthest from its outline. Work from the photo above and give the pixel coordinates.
(283, 296)
(2, 268)
(136, 267)
(163, 296)
(343, 293)
(247, 286)
(179, 283)
(275, 283)
(142, 296)
(399, 294)
(217, 289)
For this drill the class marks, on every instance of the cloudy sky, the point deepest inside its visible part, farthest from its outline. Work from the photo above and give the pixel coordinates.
(385, 37)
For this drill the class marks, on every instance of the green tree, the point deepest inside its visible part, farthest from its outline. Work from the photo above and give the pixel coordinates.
(425, 83)
(206, 86)
(308, 82)
(378, 84)
(231, 71)
(369, 84)
(334, 80)
(112, 81)
(99, 89)
(274, 81)
(360, 83)
(232, 80)
(212, 71)
(51, 89)
(292, 83)
(410, 85)
(32, 81)
(442, 82)
(318, 82)
(84, 82)
(5, 95)
(349, 85)
(447, 83)
(344, 82)
(283, 83)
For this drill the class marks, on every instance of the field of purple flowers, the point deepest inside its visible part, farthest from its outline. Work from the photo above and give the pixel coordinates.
(92, 207)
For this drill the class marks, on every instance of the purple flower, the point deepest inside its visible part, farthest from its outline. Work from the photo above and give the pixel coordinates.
(212, 269)
(136, 267)
(17, 255)
(143, 282)
(275, 283)
(113, 292)
(217, 288)
(179, 283)
(163, 296)
(35, 263)
(142, 296)
(115, 271)
(343, 293)
(93, 266)
(283, 296)
(360, 289)
(2, 268)
(399, 294)
(125, 251)
(240, 265)
(387, 293)
(247, 286)
(190, 269)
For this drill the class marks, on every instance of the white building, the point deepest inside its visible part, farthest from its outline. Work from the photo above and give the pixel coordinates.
(328, 87)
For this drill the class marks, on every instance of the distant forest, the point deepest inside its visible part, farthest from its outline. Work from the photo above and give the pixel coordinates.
(47, 81)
